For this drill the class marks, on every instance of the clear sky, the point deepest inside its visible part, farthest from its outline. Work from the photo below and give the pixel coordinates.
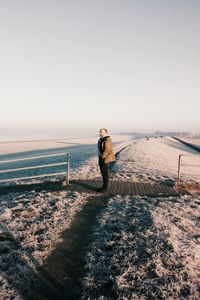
(83, 64)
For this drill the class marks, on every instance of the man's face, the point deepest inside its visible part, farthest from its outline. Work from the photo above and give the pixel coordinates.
(102, 132)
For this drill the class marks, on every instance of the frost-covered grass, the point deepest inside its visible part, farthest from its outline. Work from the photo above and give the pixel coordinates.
(31, 224)
(156, 160)
(153, 160)
(145, 249)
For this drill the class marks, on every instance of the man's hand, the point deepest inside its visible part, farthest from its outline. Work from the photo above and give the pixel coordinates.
(104, 154)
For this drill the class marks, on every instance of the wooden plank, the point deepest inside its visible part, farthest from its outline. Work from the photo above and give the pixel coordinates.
(173, 192)
(148, 189)
(169, 190)
(166, 189)
(153, 192)
(113, 188)
(116, 188)
(125, 188)
(160, 190)
(137, 189)
(121, 188)
(110, 187)
(130, 188)
(143, 189)
(133, 190)
(156, 191)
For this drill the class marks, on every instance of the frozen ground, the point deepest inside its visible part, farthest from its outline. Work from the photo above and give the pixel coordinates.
(153, 160)
(143, 248)
(192, 140)
(30, 226)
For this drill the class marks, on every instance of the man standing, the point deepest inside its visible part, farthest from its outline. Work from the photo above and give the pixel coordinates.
(106, 156)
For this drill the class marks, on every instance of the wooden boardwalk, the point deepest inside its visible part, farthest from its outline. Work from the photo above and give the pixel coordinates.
(123, 188)
(116, 187)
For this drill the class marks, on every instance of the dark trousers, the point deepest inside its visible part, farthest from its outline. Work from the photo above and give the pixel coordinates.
(104, 172)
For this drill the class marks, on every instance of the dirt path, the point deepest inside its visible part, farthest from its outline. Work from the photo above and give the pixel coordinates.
(61, 273)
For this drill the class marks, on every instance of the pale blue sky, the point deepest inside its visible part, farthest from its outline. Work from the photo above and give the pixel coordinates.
(124, 64)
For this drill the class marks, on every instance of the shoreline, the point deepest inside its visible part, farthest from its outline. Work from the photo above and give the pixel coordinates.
(11, 147)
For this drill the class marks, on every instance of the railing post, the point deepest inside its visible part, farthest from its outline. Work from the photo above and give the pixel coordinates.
(68, 167)
(66, 180)
(179, 167)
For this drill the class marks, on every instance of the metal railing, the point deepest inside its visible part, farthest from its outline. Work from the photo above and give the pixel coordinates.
(179, 164)
(66, 173)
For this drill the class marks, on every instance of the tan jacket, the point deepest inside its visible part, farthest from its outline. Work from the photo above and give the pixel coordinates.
(108, 153)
